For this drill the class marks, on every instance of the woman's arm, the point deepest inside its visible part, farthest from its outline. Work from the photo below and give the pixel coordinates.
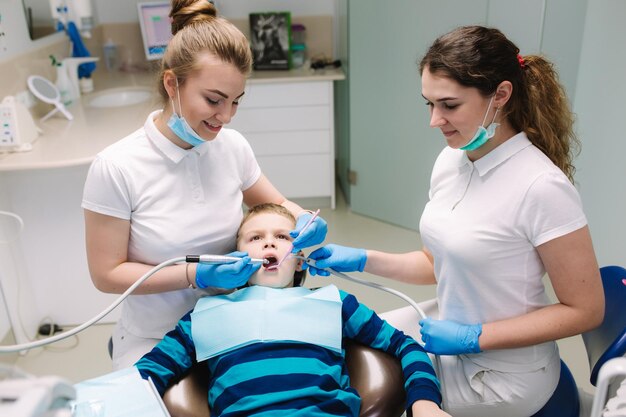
(107, 255)
(411, 267)
(573, 270)
(263, 191)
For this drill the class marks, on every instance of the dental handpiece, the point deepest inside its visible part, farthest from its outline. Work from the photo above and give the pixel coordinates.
(220, 259)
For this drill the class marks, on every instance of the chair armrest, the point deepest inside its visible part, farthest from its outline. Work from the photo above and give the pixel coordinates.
(190, 396)
(377, 377)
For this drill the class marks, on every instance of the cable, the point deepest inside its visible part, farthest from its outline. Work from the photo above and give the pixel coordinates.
(64, 335)
(209, 259)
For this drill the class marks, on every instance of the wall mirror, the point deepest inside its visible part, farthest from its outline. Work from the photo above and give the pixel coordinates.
(38, 18)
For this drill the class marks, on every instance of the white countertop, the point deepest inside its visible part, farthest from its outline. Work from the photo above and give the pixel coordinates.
(65, 143)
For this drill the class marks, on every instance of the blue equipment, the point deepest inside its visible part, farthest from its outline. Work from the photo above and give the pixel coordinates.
(608, 341)
(603, 343)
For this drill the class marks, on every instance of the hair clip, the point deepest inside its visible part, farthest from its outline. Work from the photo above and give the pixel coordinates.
(521, 61)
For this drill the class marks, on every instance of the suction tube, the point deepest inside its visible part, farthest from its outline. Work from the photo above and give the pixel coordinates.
(208, 259)
(69, 333)
(390, 291)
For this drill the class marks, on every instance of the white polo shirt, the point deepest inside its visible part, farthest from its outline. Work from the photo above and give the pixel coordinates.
(482, 225)
(178, 201)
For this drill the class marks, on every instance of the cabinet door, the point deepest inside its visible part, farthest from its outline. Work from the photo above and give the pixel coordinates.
(392, 149)
(286, 94)
(290, 128)
(299, 176)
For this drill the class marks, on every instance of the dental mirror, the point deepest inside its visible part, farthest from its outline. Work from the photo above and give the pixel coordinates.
(47, 92)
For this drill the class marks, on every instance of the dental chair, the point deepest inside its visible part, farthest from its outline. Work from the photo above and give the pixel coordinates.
(375, 375)
(608, 340)
(603, 343)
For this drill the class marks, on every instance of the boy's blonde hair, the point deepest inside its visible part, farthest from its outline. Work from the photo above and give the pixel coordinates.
(298, 276)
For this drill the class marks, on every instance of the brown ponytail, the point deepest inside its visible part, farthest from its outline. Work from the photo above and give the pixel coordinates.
(546, 117)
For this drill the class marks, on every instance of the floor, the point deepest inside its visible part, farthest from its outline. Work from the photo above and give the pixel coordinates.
(85, 356)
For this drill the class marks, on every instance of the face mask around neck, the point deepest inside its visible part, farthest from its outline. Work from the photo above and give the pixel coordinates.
(483, 134)
(179, 125)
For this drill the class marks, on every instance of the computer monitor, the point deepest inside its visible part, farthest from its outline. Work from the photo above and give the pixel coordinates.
(155, 27)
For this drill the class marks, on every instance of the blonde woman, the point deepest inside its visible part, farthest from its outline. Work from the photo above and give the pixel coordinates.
(176, 185)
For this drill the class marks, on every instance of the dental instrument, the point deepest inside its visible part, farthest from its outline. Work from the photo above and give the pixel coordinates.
(307, 224)
(220, 259)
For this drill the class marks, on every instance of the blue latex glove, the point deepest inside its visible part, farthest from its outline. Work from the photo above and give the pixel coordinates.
(446, 337)
(339, 258)
(314, 234)
(231, 275)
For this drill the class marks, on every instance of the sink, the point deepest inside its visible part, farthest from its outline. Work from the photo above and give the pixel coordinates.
(119, 97)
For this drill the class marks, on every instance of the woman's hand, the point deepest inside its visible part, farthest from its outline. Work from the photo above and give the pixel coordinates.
(425, 408)
(339, 258)
(231, 275)
(314, 234)
(446, 337)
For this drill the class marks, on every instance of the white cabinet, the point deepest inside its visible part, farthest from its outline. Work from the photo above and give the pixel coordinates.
(290, 126)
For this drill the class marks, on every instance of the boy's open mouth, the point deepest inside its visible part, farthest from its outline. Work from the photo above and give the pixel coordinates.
(272, 262)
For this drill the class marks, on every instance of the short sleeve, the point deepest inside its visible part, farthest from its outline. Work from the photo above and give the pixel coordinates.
(106, 190)
(251, 171)
(552, 208)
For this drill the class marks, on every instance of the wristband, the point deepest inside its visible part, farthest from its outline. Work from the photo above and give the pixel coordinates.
(188, 279)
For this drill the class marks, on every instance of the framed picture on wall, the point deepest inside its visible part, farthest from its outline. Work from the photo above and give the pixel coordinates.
(270, 38)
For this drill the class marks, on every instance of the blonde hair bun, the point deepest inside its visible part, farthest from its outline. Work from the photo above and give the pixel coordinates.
(189, 12)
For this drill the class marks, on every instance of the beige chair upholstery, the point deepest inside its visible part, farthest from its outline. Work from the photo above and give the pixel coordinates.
(375, 375)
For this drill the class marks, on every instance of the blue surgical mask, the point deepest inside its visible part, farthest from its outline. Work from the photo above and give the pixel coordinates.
(483, 134)
(179, 125)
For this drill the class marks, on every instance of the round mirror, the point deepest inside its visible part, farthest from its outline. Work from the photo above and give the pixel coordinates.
(47, 92)
(43, 89)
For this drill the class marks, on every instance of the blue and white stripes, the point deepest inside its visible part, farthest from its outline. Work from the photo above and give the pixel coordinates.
(290, 378)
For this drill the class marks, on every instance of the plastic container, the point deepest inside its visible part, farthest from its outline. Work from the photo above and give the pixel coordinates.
(86, 85)
(298, 34)
(63, 81)
(298, 55)
(109, 51)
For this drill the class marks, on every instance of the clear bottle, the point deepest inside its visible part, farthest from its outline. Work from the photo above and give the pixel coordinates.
(62, 81)
(109, 50)
(298, 55)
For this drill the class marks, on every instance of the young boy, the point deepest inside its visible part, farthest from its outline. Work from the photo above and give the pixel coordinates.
(275, 346)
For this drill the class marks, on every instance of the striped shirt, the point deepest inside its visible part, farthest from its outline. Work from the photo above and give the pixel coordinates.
(288, 378)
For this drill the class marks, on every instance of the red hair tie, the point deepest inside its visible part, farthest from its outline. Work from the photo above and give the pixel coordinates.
(521, 61)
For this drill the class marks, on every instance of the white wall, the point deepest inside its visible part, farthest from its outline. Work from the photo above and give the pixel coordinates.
(601, 111)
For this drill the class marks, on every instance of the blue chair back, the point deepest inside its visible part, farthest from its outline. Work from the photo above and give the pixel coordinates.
(565, 401)
(608, 341)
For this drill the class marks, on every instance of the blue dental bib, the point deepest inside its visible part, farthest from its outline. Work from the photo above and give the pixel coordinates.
(222, 323)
